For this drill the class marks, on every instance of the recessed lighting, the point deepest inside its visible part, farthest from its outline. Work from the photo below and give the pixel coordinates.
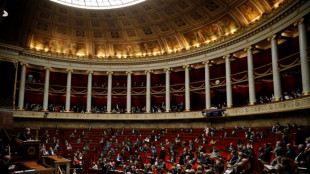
(5, 14)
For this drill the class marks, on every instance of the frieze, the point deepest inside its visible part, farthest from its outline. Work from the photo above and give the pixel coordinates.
(85, 116)
(276, 107)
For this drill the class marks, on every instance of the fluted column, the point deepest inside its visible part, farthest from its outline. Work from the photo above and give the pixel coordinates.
(275, 68)
(89, 91)
(148, 92)
(21, 96)
(252, 97)
(167, 70)
(128, 103)
(207, 85)
(229, 98)
(109, 100)
(46, 88)
(187, 89)
(304, 59)
(68, 91)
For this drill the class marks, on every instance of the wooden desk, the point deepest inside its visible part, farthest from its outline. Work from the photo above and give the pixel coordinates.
(30, 150)
(56, 162)
(266, 167)
(99, 171)
(32, 167)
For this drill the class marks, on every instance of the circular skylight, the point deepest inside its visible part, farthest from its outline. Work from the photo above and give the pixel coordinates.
(98, 4)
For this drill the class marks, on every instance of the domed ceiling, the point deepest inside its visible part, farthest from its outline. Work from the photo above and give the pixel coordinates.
(152, 27)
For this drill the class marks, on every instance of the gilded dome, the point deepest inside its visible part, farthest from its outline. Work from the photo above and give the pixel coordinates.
(147, 29)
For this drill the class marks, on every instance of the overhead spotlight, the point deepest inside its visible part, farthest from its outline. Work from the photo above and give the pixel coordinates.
(5, 14)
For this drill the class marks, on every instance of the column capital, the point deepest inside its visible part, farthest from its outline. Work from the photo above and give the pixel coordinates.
(272, 37)
(208, 62)
(110, 72)
(129, 72)
(168, 69)
(67, 70)
(46, 67)
(227, 56)
(90, 72)
(299, 21)
(148, 71)
(248, 48)
(22, 63)
(187, 66)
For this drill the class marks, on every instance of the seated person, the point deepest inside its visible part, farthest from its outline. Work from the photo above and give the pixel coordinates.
(72, 134)
(147, 140)
(300, 158)
(215, 152)
(94, 166)
(212, 142)
(234, 134)
(45, 152)
(51, 151)
(69, 147)
(231, 147)
(25, 135)
(234, 158)
(75, 163)
(225, 134)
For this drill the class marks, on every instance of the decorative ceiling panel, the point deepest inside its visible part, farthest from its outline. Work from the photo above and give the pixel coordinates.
(148, 28)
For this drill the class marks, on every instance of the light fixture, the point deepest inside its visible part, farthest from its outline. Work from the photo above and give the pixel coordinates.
(98, 4)
(5, 14)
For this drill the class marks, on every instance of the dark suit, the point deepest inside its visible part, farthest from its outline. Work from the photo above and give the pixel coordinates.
(301, 157)
(233, 159)
(290, 153)
(4, 167)
(238, 161)
(23, 136)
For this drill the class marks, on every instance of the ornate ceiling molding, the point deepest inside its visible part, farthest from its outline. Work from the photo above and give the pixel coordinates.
(270, 24)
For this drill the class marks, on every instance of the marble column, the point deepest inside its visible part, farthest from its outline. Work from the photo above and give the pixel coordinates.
(89, 91)
(128, 103)
(252, 94)
(46, 88)
(207, 85)
(275, 68)
(187, 88)
(229, 98)
(68, 91)
(304, 59)
(109, 100)
(167, 70)
(148, 92)
(22, 82)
